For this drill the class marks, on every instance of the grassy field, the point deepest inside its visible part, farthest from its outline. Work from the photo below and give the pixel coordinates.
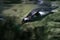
(21, 10)
(51, 21)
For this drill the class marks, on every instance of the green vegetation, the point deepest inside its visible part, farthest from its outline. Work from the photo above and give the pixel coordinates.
(47, 28)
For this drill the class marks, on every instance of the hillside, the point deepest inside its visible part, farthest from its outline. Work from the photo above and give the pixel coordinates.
(47, 28)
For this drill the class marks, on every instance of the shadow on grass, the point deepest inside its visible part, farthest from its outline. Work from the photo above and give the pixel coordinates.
(9, 30)
(8, 27)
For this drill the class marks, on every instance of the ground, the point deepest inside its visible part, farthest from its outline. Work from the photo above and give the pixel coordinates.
(21, 10)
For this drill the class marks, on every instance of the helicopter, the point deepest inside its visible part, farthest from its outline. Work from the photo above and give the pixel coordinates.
(45, 7)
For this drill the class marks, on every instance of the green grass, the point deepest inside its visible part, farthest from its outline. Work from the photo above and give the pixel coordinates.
(21, 10)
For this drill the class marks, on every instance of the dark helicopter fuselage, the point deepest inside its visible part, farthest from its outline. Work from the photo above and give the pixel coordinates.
(45, 8)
